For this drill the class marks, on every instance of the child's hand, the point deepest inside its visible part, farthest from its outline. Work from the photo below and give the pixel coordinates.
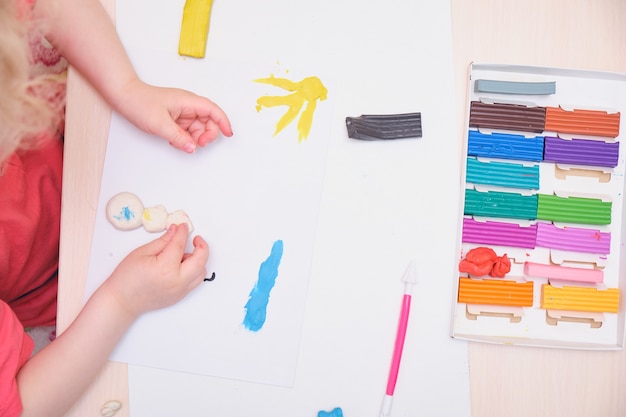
(159, 274)
(185, 119)
(152, 276)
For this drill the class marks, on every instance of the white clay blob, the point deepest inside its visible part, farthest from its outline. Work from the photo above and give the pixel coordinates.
(154, 219)
(125, 211)
(178, 217)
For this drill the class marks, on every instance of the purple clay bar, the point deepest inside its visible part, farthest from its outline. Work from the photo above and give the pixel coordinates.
(581, 152)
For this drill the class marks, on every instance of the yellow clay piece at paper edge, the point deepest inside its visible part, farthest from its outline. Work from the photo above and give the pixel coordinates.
(195, 28)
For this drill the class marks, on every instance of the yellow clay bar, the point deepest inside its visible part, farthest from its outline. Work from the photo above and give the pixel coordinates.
(195, 28)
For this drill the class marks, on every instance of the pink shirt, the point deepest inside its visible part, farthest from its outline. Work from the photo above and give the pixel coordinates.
(30, 210)
(15, 349)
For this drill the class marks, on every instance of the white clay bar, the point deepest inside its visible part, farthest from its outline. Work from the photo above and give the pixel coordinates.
(178, 217)
(154, 219)
(125, 211)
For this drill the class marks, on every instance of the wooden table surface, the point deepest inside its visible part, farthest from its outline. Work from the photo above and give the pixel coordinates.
(585, 34)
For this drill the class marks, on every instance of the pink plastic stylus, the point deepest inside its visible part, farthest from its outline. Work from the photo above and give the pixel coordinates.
(409, 278)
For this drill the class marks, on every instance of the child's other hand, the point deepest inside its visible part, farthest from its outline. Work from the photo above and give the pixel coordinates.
(159, 274)
(183, 118)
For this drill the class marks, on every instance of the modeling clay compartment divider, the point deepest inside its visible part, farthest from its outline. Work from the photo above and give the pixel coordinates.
(541, 220)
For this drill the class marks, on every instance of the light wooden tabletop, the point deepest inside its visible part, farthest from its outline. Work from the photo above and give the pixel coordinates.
(561, 33)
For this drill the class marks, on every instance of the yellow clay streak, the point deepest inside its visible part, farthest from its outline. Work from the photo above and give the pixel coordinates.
(308, 91)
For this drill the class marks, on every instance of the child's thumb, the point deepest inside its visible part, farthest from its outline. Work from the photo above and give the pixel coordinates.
(159, 244)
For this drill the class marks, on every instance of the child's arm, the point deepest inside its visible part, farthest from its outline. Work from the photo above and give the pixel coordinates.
(83, 33)
(153, 276)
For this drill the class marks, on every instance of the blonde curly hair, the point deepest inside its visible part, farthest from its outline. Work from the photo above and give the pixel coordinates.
(30, 104)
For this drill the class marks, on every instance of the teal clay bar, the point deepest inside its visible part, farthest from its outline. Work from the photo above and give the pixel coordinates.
(502, 174)
(500, 204)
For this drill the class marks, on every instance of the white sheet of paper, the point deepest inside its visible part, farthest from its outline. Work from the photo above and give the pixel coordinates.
(381, 204)
(242, 194)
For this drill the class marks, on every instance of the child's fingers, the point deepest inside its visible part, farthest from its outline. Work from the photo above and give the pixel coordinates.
(175, 240)
(193, 266)
(223, 123)
(206, 110)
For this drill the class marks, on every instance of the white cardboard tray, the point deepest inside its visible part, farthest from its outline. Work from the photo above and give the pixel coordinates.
(532, 325)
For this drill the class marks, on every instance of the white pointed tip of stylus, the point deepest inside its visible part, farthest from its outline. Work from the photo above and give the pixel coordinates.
(410, 274)
(385, 408)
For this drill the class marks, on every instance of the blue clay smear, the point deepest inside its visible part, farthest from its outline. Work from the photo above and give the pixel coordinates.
(337, 412)
(256, 307)
(126, 214)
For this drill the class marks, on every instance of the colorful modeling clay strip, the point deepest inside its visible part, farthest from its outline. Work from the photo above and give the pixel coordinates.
(580, 299)
(573, 209)
(563, 273)
(503, 174)
(385, 126)
(584, 122)
(504, 146)
(515, 87)
(499, 233)
(500, 204)
(581, 152)
(195, 28)
(495, 292)
(507, 117)
(574, 239)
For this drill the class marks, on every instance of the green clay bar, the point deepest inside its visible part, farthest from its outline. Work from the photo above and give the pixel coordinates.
(573, 209)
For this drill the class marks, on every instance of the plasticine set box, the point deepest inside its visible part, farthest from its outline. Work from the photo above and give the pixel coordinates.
(541, 222)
